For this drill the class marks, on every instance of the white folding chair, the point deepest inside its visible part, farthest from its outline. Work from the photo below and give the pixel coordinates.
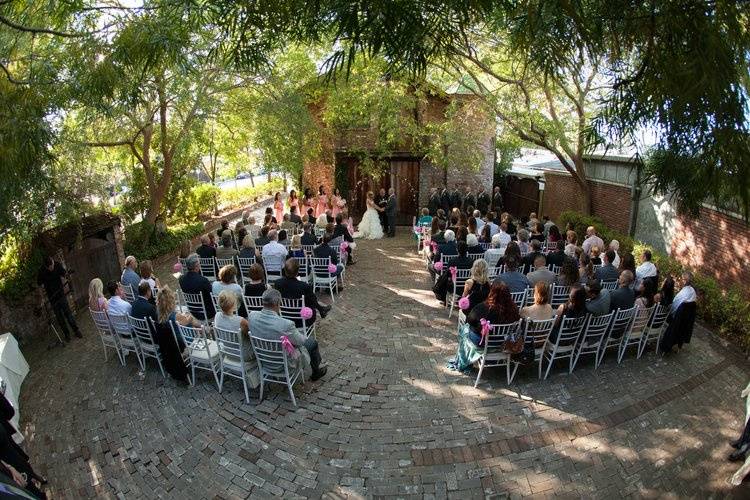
(225, 262)
(519, 298)
(184, 353)
(609, 285)
(146, 342)
(555, 269)
(252, 303)
(304, 271)
(636, 331)
(486, 246)
(537, 333)
(208, 268)
(129, 292)
(322, 277)
(245, 263)
(273, 365)
(564, 345)
(319, 232)
(453, 296)
(594, 334)
(655, 328)
(292, 309)
(343, 257)
(195, 306)
(475, 256)
(203, 353)
(107, 335)
(273, 265)
(308, 249)
(492, 354)
(183, 265)
(529, 299)
(232, 355)
(496, 271)
(128, 341)
(559, 295)
(621, 324)
(595, 268)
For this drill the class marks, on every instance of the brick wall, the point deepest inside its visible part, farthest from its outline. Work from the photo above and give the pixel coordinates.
(609, 202)
(715, 244)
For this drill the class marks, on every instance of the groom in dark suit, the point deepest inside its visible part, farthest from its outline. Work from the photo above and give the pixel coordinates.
(390, 212)
(381, 200)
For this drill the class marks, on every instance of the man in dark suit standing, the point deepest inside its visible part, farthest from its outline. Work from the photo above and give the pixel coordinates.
(434, 202)
(497, 200)
(390, 212)
(193, 282)
(445, 201)
(483, 201)
(456, 198)
(292, 288)
(469, 199)
(142, 307)
(341, 230)
(381, 200)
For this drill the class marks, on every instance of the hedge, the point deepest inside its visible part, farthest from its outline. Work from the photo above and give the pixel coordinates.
(142, 241)
(725, 310)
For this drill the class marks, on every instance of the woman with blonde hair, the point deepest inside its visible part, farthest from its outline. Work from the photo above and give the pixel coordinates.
(97, 301)
(541, 309)
(369, 227)
(185, 249)
(478, 286)
(171, 345)
(147, 274)
(247, 248)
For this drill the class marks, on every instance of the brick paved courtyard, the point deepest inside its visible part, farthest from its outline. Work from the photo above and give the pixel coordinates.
(389, 419)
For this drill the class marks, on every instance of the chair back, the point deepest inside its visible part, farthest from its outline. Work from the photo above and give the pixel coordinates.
(537, 332)
(659, 318)
(224, 262)
(194, 337)
(570, 330)
(495, 339)
(609, 285)
(270, 355)
(273, 264)
(519, 298)
(292, 309)
(559, 295)
(445, 259)
(101, 321)
(475, 256)
(319, 231)
(121, 325)
(195, 305)
(486, 246)
(320, 266)
(529, 299)
(641, 319)
(496, 271)
(595, 268)
(245, 263)
(229, 342)
(303, 269)
(336, 242)
(252, 303)
(129, 292)
(208, 267)
(141, 329)
(215, 300)
(308, 249)
(462, 275)
(183, 265)
(555, 269)
(597, 328)
(622, 321)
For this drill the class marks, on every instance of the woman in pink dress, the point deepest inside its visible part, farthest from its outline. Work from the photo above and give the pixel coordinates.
(307, 202)
(278, 207)
(293, 201)
(338, 202)
(322, 201)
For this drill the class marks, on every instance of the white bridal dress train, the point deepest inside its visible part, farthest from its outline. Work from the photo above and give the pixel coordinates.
(370, 228)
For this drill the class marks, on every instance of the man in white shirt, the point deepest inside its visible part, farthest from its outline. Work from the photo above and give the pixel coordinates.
(274, 253)
(592, 240)
(647, 269)
(503, 235)
(480, 222)
(492, 255)
(117, 304)
(686, 294)
(494, 229)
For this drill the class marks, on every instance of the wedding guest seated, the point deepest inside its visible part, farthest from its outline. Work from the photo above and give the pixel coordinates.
(324, 250)
(505, 237)
(541, 273)
(575, 307)
(446, 248)
(212, 240)
(568, 275)
(614, 245)
(541, 309)
(681, 319)
(477, 287)
(647, 269)
(485, 234)
(227, 319)
(169, 346)
(532, 222)
(227, 281)
(597, 302)
(607, 272)
(515, 281)
(537, 233)
(623, 297)
(666, 294)
(268, 324)
(291, 287)
(441, 215)
(461, 261)
(553, 234)
(241, 232)
(263, 239)
(117, 303)
(257, 285)
(472, 228)
(226, 250)
(129, 276)
(184, 249)
(142, 306)
(686, 293)
(585, 268)
(282, 237)
(205, 250)
(557, 256)
(294, 217)
(439, 236)
(535, 250)
(308, 238)
(480, 222)
(473, 245)
(571, 243)
(247, 249)
(340, 230)
(595, 258)
(498, 309)
(224, 228)
(522, 238)
(511, 253)
(490, 221)
(193, 282)
(425, 218)
(592, 240)
(493, 254)
(295, 248)
(648, 296)
(627, 263)
(97, 301)
(147, 275)
(274, 253)
(287, 224)
(322, 220)
(252, 228)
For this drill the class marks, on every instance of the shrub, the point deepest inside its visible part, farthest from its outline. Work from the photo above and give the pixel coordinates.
(142, 241)
(582, 222)
(233, 197)
(19, 264)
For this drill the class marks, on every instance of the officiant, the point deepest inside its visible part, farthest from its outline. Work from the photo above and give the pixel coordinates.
(381, 200)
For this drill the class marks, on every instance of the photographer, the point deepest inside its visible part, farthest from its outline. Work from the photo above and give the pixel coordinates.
(51, 276)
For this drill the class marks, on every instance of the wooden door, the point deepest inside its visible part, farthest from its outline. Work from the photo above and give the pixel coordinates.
(404, 178)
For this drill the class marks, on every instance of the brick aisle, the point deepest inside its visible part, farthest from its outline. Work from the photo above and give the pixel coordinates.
(389, 419)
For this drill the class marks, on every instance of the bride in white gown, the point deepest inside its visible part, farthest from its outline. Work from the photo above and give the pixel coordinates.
(369, 227)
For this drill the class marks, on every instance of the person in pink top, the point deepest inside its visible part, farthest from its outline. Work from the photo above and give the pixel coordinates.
(322, 205)
(337, 202)
(293, 200)
(347, 219)
(307, 201)
(278, 207)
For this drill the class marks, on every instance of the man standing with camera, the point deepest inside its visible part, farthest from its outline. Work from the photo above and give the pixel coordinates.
(51, 277)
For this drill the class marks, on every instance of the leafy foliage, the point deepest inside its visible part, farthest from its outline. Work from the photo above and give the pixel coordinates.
(142, 242)
(581, 222)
